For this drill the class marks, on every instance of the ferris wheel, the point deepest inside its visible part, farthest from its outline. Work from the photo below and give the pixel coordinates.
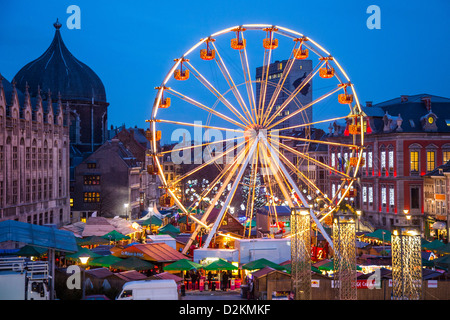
(246, 106)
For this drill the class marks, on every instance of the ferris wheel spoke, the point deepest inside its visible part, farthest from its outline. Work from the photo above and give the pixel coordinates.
(351, 146)
(279, 86)
(248, 80)
(274, 169)
(194, 125)
(313, 123)
(196, 146)
(205, 164)
(272, 207)
(294, 186)
(232, 192)
(230, 173)
(216, 93)
(203, 107)
(251, 199)
(264, 79)
(216, 180)
(297, 90)
(317, 162)
(309, 105)
(223, 68)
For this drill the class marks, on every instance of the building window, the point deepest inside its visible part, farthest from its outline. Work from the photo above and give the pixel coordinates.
(414, 161)
(369, 159)
(383, 196)
(415, 198)
(364, 194)
(370, 195)
(92, 180)
(90, 197)
(92, 165)
(446, 156)
(364, 155)
(431, 160)
(391, 160)
(391, 196)
(383, 160)
(333, 160)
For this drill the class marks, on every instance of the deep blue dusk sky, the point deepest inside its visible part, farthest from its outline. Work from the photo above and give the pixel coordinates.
(131, 45)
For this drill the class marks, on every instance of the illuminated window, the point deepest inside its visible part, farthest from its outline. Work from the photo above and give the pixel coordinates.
(383, 160)
(391, 196)
(280, 66)
(91, 197)
(446, 156)
(92, 180)
(333, 159)
(364, 194)
(365, 159)
(370, 195)
(414, 161)
(92, 165)
(431, 160)
(383, 196)
(333, 189)
(71, 202)
(369, 159)
(391, 159)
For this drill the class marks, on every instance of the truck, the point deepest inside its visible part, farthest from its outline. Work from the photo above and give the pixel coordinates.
(149, 290)
(23, 279)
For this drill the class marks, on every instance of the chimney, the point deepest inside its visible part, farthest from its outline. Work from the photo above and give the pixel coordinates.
(404, 98)
(427, 101)
(368, 104)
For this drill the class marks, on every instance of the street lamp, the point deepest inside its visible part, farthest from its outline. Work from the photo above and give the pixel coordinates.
(84, 260)
(125, 205)
(358, 213)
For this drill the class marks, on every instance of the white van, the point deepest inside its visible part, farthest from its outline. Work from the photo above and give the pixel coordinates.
(149, 290)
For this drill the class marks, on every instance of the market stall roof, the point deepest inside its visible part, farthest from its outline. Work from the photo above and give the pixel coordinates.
(434, 245)
(167, 276)
(220, 264)
(97, 226)
(130, 275)
(91, 240)
(378, 235)
(133, 263)
(115, 236)
(168, 228)
(31, 251)
(261, 263)
(154, 252)
(182, 265)
(100, 273)
(152, 220)
(39, 236)
(105, 261)
(443, 261)
(82, 252)
(444, 249)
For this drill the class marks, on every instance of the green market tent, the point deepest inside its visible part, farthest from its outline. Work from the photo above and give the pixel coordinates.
(443, 261)
(132, 263)
(220, 264)
(31, 251)
(183, 265)
(91, 240)
(288, 268)
(378, 235)
(115, 236)
(168, 228)
(434, 245)
(251, 223)
(445, 249)
(261, 263)
(83, 252)
(104, 261)
(153, 220)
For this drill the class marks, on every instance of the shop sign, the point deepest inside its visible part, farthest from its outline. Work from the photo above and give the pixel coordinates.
(315, 283)
(432, 283)
(281, 295)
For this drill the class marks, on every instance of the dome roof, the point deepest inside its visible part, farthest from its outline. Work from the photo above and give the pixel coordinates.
(58, 70)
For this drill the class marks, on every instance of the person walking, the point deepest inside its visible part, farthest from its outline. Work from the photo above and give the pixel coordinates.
(224, 281)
